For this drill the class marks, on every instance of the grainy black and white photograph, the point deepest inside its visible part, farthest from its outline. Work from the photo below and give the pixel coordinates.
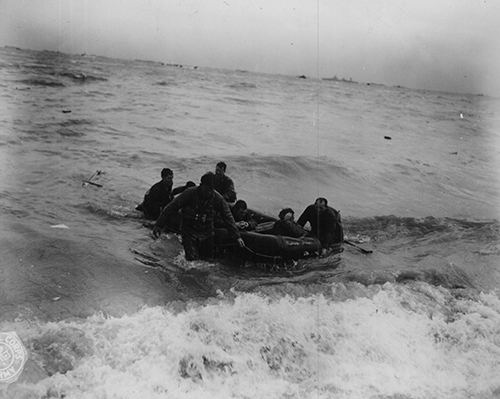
(283, 199)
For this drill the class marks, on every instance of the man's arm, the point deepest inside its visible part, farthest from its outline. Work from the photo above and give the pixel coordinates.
(229, 191)
(165, 195)
(295, 229)
(228, 219)
(179, 190)
(305, 217)
(174, 206)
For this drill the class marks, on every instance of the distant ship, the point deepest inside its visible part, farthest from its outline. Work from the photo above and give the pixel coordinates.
(335, 79)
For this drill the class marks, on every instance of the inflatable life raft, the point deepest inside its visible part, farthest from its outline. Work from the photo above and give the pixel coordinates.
(261, 245)
(266, 247)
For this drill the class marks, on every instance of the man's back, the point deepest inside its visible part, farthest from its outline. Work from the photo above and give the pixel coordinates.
(325, 224)
(156, 198)
(224, 186)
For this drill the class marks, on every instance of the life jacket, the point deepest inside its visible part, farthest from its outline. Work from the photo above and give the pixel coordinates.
(199, 215)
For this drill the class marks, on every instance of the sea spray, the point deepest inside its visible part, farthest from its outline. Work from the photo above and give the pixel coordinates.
(414, 341)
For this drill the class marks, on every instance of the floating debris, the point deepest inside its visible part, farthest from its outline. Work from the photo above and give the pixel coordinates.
(89, 180)
(59, 226)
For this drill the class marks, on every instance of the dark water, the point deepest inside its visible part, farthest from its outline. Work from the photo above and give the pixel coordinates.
(105, 311)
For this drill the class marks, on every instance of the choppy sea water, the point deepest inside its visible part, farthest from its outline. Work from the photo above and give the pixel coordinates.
(105, 311)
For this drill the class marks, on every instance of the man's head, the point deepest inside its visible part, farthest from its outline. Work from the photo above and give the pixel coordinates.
(207, 184)
(286, 214)
(167, 175)
(220, 168)
(240, 205)
(239, 209)
(321, 203)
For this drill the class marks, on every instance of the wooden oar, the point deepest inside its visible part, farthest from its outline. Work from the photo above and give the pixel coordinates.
(365, 251)
(88, 181)
(91, 182)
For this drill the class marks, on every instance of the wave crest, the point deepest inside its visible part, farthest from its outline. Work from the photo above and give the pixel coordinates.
(388, 227)
(395, 341)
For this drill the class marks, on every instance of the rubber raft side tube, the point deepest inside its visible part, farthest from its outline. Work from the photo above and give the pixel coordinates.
(284, 247)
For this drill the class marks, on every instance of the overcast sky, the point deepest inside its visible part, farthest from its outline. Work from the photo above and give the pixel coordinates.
(451, 45)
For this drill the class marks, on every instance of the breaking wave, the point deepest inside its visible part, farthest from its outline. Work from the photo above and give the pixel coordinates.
(411, 341)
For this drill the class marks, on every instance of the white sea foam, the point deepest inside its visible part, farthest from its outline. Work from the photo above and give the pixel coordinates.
(414, 341)
(59, 226)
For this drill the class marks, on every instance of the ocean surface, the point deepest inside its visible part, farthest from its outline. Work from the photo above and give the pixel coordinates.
(106, 311)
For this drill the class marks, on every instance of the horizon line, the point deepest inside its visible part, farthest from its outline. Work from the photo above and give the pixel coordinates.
(302, 76)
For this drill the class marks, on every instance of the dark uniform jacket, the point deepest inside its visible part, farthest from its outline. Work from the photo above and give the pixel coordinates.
(198, 214)
(155, 199)
(288, 228)
(225, 187)
(325, 224)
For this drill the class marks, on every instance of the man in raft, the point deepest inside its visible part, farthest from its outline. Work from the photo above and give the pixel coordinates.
(242, 216)
(287, 226)
(326, 224)
(159, 195)
(199, 206)
(223, 184)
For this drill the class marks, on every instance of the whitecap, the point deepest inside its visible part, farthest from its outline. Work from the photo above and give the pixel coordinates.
(59, 226)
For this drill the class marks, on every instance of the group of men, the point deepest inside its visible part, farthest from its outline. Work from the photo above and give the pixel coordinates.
(213, 204)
